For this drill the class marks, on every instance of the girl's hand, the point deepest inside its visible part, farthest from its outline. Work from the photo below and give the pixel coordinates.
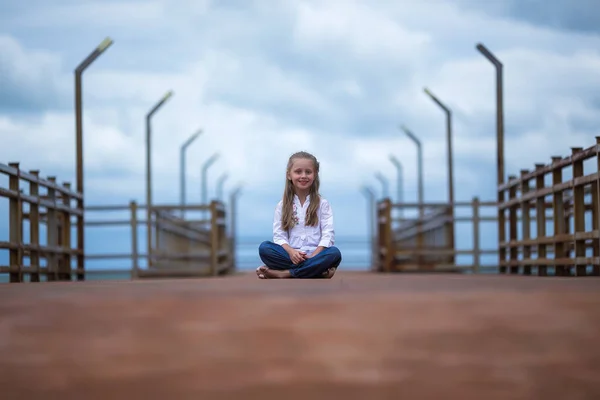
(314, 253)
(297, 256)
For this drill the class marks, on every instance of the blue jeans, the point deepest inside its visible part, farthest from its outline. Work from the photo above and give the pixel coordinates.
(275, 257)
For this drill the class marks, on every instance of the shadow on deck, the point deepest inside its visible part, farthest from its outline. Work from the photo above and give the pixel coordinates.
(359, 335)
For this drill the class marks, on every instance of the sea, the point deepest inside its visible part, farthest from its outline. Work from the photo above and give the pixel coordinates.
(356, 256)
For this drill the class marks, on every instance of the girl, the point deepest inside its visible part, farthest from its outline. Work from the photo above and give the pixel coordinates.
(303, 234)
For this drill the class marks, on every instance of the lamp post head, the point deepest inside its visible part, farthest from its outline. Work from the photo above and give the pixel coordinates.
(195, 135)
(488, 54)
(411, 135)
(395, 161)
(167, 95)
(105, 44)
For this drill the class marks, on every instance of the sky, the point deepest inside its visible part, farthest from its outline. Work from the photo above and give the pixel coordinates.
(264, 79)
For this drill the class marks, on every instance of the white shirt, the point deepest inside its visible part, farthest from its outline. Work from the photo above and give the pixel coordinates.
(302, 237)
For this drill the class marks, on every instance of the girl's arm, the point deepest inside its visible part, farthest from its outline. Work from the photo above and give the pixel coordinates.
(327, 231)
(317, 251)
(280, 236)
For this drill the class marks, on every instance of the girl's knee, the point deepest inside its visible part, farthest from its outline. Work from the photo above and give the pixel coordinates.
(264, 247)
(335, 252)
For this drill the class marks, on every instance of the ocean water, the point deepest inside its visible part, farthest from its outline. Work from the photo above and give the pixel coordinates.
(356, 255)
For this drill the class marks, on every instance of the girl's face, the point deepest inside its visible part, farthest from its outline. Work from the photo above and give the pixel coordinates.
(302, 174)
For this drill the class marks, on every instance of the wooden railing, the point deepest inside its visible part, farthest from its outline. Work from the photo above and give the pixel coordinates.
(183, 247)
(571, 244)
(180, 247)
(423, 244)
(40, 206)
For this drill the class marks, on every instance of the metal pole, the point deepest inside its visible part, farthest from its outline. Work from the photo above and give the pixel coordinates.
(419, 168)
(79, 150)
(205, 168)
(371, 220)
(232, 233)
(449, 145)
(384, 183)
(450, 163)
(184, 147)
(499, 111)
(220, 184)
(499, 144)
(149, 173)
(400, 171)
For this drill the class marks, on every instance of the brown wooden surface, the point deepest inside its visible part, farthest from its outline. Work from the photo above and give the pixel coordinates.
(357, 336)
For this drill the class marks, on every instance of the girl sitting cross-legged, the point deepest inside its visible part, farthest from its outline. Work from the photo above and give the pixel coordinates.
(303, 234)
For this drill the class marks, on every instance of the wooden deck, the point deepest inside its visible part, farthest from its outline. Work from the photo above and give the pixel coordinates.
(357, 336)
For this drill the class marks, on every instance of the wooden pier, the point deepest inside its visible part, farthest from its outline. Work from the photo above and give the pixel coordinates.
(356, 336)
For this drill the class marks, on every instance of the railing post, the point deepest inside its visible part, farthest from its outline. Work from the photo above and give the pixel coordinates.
(232, 233)
(526, 223)
(420, 237)
(501, 231)
(579, 216)
(34, 229)
(476, 239)
(134, 241)
(596, 212)
(66, 268)
(15, 227)
(559, 220)
(52, 233)
(389, 240)
(381, 238)
(214, 239)
(540, 221)
(512, 229)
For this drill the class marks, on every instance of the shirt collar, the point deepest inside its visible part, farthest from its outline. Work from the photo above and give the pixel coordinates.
(297, 199)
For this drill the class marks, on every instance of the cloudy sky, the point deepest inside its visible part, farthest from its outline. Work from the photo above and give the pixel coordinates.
(264, 79)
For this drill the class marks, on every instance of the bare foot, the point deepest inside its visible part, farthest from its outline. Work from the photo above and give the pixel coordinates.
(260, 271)
(275, 274)
(329, 273)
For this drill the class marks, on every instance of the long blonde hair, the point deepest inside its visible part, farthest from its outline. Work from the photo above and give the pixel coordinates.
(287, 216)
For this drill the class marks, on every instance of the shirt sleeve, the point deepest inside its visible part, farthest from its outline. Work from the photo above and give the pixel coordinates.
(327, 231)
(280, 236)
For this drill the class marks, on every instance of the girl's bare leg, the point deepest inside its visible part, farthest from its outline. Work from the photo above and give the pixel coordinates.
(277, 274)
(329, 273)
(260, 271)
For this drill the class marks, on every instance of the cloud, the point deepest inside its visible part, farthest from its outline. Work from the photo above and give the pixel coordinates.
(572, 15)
(30, 79)
(334, 78)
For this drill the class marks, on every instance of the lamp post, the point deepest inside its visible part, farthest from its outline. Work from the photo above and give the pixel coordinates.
(384, 184)
(400, 171)
(499, 111)
(220, 184)
(448, 143)
(450, 166)
(205, 168)
(232, 228)
(371, 219)
(151, 113)
(499, 145)
(417, 142)
(105, 44)
(182, 160)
